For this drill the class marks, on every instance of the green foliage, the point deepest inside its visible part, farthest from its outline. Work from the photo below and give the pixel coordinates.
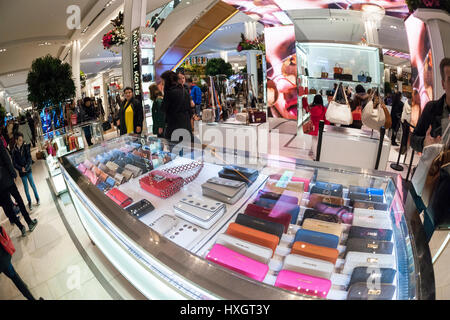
(50, 81)
(430, 4)
(218, 66)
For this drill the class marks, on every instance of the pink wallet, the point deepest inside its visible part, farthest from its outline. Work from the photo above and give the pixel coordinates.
(237, 262)
(82, 168)
(92, 177)
(303, 283)
(293, 179)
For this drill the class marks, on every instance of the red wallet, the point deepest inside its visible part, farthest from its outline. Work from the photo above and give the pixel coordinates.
(269, 215)
(119, 197)
(161, 183)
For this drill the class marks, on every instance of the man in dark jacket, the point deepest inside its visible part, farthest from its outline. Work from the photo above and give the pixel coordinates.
(8, 188)
(435, 117)
(131, 114)
(22, 162)
(88, 114)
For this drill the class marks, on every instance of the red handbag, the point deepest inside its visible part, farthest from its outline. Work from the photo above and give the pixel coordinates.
(119, 197)
(257, 117)
(308, 126)
(6, 242)
(357, 114)
(165, 183)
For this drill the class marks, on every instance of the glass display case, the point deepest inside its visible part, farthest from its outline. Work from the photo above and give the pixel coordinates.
(183, 223)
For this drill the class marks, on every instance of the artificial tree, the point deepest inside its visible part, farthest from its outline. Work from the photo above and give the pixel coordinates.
(217, 66)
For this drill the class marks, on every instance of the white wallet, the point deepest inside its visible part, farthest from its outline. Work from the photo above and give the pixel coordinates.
(310, 266)
(164, 224)
(225, 190)
(362, 211)
(372, 221)
(200, 211)
(360, 259)
(248, 249)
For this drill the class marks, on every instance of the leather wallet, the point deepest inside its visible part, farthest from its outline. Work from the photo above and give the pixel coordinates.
(303, 283)
(309, 266)
(201, 212)
(342, 212)
(326, 188)
(360, 291)
(252, 235)
(280, 186)
(313, 214)
(323, 226)
(315, 251)
(280, 206)
(317, 238)
(135, 170)
(164, 224)
(293, 179)
(140, 208)
(354, 196)
(237, 262)
(225, 190)
(266, 194)
(355, 259)
(315, 198)
(370, 233)
(119, 197)
(373, 191)
(260, 224)
(111, 182)
(362, 274)
(119, 178)
(369, 205)
(369, 246)
(248, 249)
(372, 221)
(102, 186)
(112, 166)
(283, 218)
(127, 174)
(239, 173)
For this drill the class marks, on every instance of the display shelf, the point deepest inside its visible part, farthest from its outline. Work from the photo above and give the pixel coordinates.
(343, 81)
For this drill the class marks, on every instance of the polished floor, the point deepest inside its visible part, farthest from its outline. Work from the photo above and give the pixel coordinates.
(58, 261)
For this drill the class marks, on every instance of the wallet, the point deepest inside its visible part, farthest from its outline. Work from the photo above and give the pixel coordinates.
(360, 291)
(141, 208)
(355, 259)
(119, 178)
(369, 246)
(201, 212)
(161, 183)
(252, 235)
(237, 262)
(365, 197)
(164, 224)
(102, 186)
(280, 186)
(303, 283)
(370, 212)
(314, 251)
(313, 214)
(248, 249)
(373, 191)
(362, 274)
(127, 174)
(293, 179)
(239, 173)
(110, 181)
(88, 164)
(372, 221)
(317, 238)
(112, 166)
(119, 197)
(283, 218)
(260, 224)
(326, 188)
(82, 168)
(323, 226)
(343, 213)
(135, 170)
(309, 266)
(280, 206)
(224, 190)
(370, 205)
(370, 233)
(266, 194)
(315, 198)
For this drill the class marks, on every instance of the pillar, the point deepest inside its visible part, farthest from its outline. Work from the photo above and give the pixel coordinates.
(134, 17)
(76, 48)
(105, 100)
(252, 69)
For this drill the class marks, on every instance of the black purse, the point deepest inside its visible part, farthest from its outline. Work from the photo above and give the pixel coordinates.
(147, 77)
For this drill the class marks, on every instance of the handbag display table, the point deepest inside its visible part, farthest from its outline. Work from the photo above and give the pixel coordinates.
(353, 147)
(236, 136)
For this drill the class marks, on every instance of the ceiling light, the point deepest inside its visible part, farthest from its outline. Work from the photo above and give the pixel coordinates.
(2, 50)
(44, 44)
(109, 3)
(11, 75)
(393, 27)
(188, 2)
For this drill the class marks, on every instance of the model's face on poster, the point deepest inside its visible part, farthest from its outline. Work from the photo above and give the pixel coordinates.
(446, 80)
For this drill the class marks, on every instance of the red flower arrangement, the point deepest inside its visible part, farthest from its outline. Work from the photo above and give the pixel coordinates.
(116, 36)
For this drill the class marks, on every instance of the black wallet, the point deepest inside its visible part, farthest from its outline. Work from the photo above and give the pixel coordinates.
(140, 208)
(369, 233)
(314, 214)
(361, 274)
(239, 174)
(331, 189)
(356, 196)
(360, 291)
(370, 246)
(260, 224)
(369, 205)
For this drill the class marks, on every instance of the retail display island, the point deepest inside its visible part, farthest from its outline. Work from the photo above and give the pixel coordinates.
(195, 224)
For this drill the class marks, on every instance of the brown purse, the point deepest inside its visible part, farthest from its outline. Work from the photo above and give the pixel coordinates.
(316, 198)
(433, 175)
(387, 116)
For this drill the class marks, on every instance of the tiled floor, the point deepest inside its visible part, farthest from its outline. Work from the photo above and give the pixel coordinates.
(52, 265)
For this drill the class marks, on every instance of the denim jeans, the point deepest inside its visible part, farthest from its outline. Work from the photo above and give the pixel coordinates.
(12, 274)
(198, 109)
(29, 178)
(7, 205)
(88, 135)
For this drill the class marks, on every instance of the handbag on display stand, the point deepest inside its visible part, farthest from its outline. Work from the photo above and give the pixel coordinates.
(373, 117)
(324, 74)
(337, 69)
(362, 77)
(368, 77)
(339, 113)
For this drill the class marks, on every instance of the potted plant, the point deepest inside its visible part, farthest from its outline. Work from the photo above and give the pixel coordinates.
(218, 66)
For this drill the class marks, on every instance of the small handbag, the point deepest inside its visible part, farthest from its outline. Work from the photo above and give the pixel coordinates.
(6, 242)
(208, 115)
(239, 174)
(312, 91)
(308, 126)
(224, 190)
(387, 116)
(337, 69)
(147, 77)
(368, 78)
(356, 114)
(257, 117)
(165, 183)
(362, 77)
(324, 74)
(339, 113)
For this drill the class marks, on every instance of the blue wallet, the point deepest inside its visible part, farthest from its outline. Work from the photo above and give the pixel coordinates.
(111, 182)
(102, 186)
(356, 196)
(317, 238)
(371, 191)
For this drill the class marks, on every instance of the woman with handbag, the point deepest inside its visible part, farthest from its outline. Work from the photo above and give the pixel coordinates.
(357, 105)
(317, 111)
(6, 251)
(396, 112)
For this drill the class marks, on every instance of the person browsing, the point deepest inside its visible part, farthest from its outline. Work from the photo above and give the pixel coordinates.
(131, 114)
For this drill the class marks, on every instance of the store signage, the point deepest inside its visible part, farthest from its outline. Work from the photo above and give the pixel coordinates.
(136, 63)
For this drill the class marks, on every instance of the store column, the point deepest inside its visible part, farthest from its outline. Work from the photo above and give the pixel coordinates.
(105, 82)
(252, 69)
(134, 17)
(76, 48)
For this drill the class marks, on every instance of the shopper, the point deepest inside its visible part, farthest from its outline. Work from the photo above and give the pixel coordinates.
(182, 81)
(158, 112)
(7, 268)
(131, 114)
(32, 129)
(176, 104)
(196, 95)
(7, 189)
(317, 111)
(357, 105)
(100, 110)
(396, 113)
(22, 162)
(88, 114)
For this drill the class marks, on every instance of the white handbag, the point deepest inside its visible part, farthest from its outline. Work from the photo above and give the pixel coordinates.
(372, 117)
(339, 113)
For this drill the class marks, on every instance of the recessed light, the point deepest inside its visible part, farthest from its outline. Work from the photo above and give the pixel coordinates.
(188, 2)
(393, 27)
(2, 50)
(11, 75)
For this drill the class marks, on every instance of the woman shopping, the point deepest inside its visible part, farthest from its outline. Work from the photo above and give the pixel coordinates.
(317, 111)
(131, 114)
(158, 113)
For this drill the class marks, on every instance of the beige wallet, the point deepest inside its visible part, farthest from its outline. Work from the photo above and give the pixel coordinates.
(323, 226)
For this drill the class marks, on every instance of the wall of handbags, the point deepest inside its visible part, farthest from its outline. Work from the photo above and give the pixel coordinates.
(292, 229)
